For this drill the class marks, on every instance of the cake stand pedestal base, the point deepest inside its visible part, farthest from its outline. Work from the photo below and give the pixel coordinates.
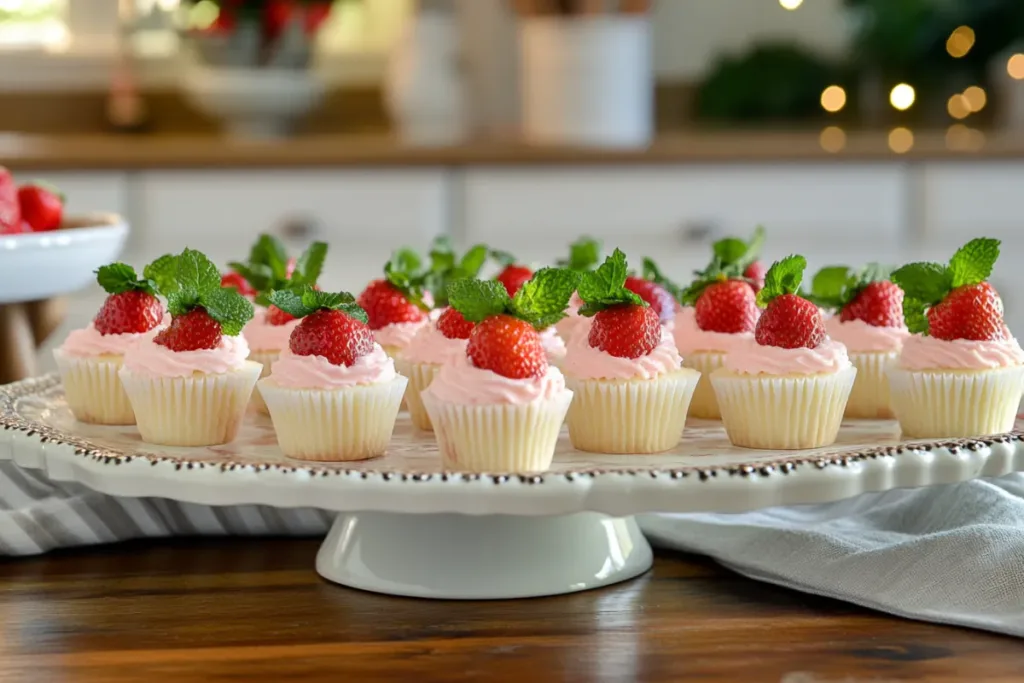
(486, 557)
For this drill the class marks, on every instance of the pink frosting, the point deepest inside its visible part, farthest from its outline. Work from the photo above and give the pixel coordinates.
(859, 336)
(88, 342)
(554, 347)
(459, 381)
(398, 335)
(431, 346)
(316, 372)
(149, 358)
(703, 340)
(928, 353)
(583, 361)
(573, 322)
(262, 336)
(750, 358)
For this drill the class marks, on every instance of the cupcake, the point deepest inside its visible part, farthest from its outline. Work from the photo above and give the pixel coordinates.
(630, 391)
(189, 383)
(554, 346)
(420, 362)
(787, 387)
(499, 406)
(90, 358)
(334, 394)
(573, 322)
(961, 372)
(868, 321)
(397, 306)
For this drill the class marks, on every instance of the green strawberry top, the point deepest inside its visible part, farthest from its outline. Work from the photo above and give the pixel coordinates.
(190, 280)
(584, 255)
(926, 284)
(541, 301)
(118, 278)
(783, 277)
(405, 272)
(730, 259)
(606, 286)
(267, 267)
(302, 301)
(833, 287)
(446, 267)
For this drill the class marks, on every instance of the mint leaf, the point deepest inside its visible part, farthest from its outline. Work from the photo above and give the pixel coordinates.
(258, 276)
(290, 302)
(310, 264)
(269, 251)
(829, 286)
(299, 303)
(478, 299)
(503, 257)
(542, 300)
(783, 277)
(404, 260)
(973, 262)
(472, 261)
(754, 246)
(584, 254)
(196, 272)
(874, 272)
(926, 282)
(162, 273)
(403, 271)
(228, 307)
(914, 314)
(181, 301)
(446, 267)
(652, 273)
(729, 250)
(117, 278)
(606, 286)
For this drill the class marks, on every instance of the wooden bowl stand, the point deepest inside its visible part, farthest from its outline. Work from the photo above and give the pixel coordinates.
(23, 329)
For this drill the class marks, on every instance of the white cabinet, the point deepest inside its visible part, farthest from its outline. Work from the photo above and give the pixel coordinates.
(833, 213)
(362, 214)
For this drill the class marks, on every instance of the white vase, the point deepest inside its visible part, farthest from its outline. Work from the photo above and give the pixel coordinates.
(424, 88)
(587, 80)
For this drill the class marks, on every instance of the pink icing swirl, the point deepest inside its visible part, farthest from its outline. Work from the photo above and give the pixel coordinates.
(398, 335)
(262, 336)
(316, 372)
(88, 342)
(573, 322)
(928, 353)
(859, 336)
(554, 347)
(431, 346)
(460, 382)
(703, 340)
(583, 361)
(155, 360)
(750, 358)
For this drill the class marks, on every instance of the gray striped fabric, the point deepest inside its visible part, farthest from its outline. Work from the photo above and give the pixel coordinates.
(38, 515)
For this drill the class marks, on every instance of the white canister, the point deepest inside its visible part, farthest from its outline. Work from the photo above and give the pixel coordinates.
(587, 80)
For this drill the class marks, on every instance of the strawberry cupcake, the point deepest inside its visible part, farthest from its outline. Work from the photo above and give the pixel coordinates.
(573, 322)
(631, 393)
(961, 372)
(334, 394)
(396, 306)
(584, 256)
(431, 348)
(787, 387)
(499, 406)
(867, 318)
(90, 358)
(512, 275)
(189, 383)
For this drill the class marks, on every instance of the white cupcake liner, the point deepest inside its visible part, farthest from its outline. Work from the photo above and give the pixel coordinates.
(266, 359)
(935, 404)
(630, 416)
(870, 396)
(395, 352)
(93, 390)
(705, 403)
(420, 376)
(334, 425)
(201, 410)
(498, 438)
(788, 412)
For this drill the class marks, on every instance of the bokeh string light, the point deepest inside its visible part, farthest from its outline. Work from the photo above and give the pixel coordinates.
(833, 98)
(1015, 66)
(901, 140)
(960, 41)
(902, 96)
(832, 139)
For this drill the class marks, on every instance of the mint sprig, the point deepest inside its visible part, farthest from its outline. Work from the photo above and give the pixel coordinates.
(730, 259)
(193, 281)
(161, 273)
(606, 286)
(267, 268)
(503, 258)
(404, 270)
(783, 277)
(446, 267)
(541, 301)
(303, 301)
(926, 284)
(584, 255)
(834, 287)
(117, 278)
(652, 273)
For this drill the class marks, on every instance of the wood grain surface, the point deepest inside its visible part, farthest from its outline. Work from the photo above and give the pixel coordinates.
(254, 610)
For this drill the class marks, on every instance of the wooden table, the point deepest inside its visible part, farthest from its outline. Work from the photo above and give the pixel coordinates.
(254, 610)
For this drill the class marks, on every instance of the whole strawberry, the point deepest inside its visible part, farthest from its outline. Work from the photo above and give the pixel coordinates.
(728, 306)
(269, 269)
(505, 337)
(625, 325)
(452, 325)
(237, 282)
(755, 273)
(513, 276)
(789, 321)
(867, 295)
(10, 211)
(399, 297)
(954, 301)
(42, 207)
(333, 326)
(656, 296)
(131, 307)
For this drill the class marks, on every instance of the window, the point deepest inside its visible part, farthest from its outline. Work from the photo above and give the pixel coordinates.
(32, 23)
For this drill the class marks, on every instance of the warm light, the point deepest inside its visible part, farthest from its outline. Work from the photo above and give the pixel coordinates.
(902, 96)
(976, 98)
(833, 98)
(901, 140)
(964, 139)
(960, 41)
(1015, 66)
(832, 139)
(790, 4)
(958, 107)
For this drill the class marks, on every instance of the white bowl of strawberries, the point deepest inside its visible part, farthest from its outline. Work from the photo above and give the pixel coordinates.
(44, 253)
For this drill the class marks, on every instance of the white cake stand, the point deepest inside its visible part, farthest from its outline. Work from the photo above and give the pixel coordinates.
(406, 527)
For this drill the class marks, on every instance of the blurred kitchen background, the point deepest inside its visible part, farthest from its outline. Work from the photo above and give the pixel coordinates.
(854, 130)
